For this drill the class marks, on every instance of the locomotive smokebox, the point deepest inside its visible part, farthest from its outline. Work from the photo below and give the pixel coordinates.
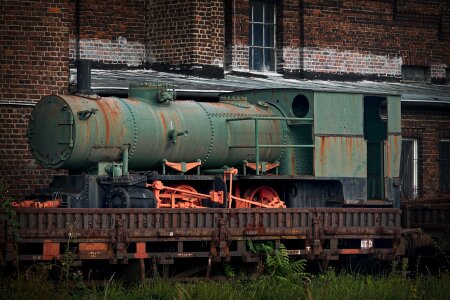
(78, 133)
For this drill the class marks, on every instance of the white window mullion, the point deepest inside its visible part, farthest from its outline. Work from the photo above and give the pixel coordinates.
(415, 168)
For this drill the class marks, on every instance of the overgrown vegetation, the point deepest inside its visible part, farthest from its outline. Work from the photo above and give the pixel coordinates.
(281, 279)
(8, 214)
(329, 285)
(8, 219)
(277, 262)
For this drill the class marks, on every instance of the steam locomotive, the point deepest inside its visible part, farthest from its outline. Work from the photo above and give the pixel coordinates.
(255, 148)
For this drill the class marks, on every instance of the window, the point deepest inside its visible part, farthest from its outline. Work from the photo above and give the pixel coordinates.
(444, 165)
(409, 174)
(447, 75)
(262, 36)
(416, 73)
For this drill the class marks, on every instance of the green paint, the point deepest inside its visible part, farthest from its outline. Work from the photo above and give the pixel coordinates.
(340, 156)
(338, 113)
(394, 114)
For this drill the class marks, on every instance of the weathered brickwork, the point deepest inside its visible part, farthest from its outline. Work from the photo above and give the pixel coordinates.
(236, 35)
(109, 32)
(290, 60)
(288, 36)
(428, 126)
(20, 172)
(438, 71)
(172, 35)
(119, 52)
(238, 58)
(396, 32)
(186, 34)
(325, 60)
(34, 49)
(343, 39)
(34, 60)
(208, 33)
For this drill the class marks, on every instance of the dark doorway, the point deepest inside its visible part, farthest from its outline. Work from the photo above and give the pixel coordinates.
(375, 133)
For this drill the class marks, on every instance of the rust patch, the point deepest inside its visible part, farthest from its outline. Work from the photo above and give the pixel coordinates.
(88, 130)
(141, 251)
(388, 157)
(114, 111)
(349, 147)
(93, 247)
(50, 250)
(105, 115)
(322, 149)
(163, 121)
(350, 251)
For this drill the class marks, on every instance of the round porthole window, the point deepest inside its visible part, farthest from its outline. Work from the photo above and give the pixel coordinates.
(300, 106)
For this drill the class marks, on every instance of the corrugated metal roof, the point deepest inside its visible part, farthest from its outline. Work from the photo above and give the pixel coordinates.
(411, 92)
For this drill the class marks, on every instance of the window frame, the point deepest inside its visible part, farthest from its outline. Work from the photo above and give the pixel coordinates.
(415, 167)
(251, 39)
(443, 165)
(410, 73)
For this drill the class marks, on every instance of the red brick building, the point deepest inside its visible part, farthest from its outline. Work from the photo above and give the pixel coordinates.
(392, 40)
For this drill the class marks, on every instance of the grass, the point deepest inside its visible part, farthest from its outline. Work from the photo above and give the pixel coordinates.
(328, 285)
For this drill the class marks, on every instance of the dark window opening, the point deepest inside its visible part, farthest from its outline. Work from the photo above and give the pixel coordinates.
(262, 36)
(416, 73)
(444, 165)
(409, 169)
(447, 75)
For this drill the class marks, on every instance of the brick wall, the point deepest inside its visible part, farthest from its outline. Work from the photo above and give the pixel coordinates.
(187, 36)
(34, 49)
(349, 39)
(288, 36)
(168, 35)
(428, 126)
(236, 35)
(375, 38)
(17, 167)
(34, 61)
(109, 32)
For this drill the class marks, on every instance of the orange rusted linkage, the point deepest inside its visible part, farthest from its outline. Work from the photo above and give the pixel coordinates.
(37, 204)
(185, 196)
(273, 201)
(182, 197)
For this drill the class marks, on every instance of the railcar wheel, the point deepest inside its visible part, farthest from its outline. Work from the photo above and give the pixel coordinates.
(262, 194)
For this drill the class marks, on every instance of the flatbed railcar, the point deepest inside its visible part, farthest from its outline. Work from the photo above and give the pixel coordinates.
(154, 181)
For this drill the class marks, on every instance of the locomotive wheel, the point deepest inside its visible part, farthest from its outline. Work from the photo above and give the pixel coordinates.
(186, 198)
(262, 194)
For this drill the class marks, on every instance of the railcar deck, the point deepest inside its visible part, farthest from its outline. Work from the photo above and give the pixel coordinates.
(121, 236)
(433, 217)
